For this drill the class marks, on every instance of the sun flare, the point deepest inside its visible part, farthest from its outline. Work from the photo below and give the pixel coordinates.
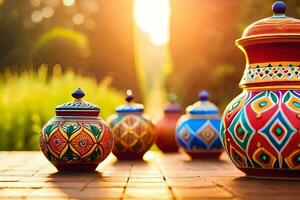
(153, 18)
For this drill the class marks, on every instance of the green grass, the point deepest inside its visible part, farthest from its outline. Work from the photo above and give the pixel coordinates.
(29, 98)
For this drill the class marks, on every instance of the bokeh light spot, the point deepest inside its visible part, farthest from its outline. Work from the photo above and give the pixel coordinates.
(47, 12)
(68, 2)
(78, 19)
(35, 3)
(36, 16)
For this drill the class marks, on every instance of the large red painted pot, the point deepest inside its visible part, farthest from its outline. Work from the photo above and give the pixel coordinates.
(132, 129)
(166, 127)
(261, 127)
(76, 139)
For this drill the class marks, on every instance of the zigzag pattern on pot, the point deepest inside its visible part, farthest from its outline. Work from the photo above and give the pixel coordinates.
(199, 136)
(260, 73)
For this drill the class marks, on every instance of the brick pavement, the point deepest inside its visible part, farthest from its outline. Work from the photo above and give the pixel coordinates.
(28, 175)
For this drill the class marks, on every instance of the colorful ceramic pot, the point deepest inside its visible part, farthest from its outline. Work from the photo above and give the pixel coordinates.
(76, 139)
(197, 132)
(260, 128)
(133, 131)
(166, 127)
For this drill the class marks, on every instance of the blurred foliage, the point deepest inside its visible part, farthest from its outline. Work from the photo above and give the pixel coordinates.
(203, 45)
(64, 34)
(89, 36)
(29, 98)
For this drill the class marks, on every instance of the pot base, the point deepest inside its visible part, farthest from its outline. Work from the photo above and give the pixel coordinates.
(76, 167)
(169, 150)
(129, 156)
(272, 173)
(197, 155)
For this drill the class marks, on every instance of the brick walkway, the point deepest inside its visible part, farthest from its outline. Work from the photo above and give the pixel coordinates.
(29, 175)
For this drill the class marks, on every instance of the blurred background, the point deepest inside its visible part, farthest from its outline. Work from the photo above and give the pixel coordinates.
(48, 48)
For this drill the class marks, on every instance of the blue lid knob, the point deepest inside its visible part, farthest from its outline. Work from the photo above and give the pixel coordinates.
(279, 7)
(203, 95)
(78, 94)
(129, 96)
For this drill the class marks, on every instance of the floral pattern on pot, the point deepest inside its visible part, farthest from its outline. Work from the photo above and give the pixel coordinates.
(77, 142)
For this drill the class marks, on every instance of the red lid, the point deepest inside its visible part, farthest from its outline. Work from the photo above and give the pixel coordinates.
(277, 25)
(272, 50)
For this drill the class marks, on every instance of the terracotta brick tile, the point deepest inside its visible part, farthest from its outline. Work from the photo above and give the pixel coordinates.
(146, 185)
(35, 179)
(101, 193)
(189, 182)
(150, 193)
(49, 198)
(115, 174)
(15, 193)
(22, 184)
(10, 178)
(146, 179)
(206, 179)
(59, 185)
(106, 184)
(209, 192)
(54, 192)
(269, 197)
(112, 179)
(19, 173)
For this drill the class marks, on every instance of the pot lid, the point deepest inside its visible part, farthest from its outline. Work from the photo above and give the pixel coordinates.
(172, 106)
(203, 106)
(278, 24)
(77, 107)
(130, 106)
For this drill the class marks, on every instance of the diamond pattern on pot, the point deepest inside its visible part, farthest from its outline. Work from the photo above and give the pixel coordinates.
(132, 133)
(207, 133)
(82, 143)
(185, 134)
(293, 160)
(237, 157)
(271, 73)
(291, 99)
(264, 158)
(278, 130)
(58, 143)
(241, 129)
(264, 101)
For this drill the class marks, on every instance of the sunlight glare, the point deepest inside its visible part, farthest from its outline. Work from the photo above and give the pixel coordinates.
(68, 2)
(153, 18)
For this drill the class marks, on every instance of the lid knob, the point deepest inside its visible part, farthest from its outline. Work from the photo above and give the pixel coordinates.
(203, 95)
(78, 94)
(129, 96)
(279, 8)
(172, 97)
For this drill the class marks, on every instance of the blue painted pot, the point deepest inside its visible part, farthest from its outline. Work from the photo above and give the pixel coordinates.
(197, 132)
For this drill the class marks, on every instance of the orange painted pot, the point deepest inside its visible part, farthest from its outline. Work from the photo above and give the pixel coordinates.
(76, 139)
(133, 130)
